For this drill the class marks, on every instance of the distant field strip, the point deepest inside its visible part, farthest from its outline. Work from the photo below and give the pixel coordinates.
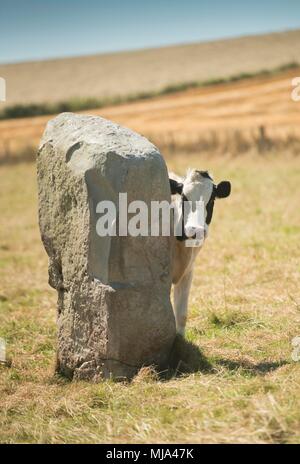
(31, 110)
(212, 117)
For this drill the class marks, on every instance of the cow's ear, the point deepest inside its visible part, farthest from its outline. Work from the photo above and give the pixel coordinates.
(223, 189)
(176, 187)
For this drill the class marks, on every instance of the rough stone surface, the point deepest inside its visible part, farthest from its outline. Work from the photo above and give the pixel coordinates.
(114, 310)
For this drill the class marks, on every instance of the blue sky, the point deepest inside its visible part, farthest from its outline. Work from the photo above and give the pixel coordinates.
(38, 29)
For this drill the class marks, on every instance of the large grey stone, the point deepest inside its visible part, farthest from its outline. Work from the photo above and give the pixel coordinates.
(114, 310)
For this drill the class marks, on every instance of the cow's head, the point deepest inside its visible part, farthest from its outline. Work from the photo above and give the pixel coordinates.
(198, 186)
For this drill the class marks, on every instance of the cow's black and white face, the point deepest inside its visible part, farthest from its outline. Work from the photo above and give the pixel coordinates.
(196, 187)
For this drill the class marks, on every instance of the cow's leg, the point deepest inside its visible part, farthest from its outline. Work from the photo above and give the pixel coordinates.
(181, 297)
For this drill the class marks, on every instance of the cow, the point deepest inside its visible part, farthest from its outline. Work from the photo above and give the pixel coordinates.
(196, 186)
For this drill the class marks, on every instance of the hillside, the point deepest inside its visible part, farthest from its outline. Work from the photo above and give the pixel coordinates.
(202, 118)
(129, 73)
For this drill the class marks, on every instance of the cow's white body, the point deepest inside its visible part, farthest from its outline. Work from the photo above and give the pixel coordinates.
(182, 275)
(195, 187)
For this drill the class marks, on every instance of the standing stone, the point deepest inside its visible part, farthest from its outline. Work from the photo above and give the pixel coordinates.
(114, 310)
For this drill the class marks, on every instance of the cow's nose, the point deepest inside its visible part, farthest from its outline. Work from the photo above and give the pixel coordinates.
(192, 231)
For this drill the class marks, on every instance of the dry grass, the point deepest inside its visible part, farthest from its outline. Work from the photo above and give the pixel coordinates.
(244, 311)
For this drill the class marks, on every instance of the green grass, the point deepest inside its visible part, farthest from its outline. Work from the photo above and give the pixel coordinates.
(74, 105)
(232, 381)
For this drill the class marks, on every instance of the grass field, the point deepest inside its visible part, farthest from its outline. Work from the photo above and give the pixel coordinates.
(244, 312)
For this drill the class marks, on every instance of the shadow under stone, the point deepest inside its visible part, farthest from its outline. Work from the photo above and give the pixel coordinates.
(186, 358)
